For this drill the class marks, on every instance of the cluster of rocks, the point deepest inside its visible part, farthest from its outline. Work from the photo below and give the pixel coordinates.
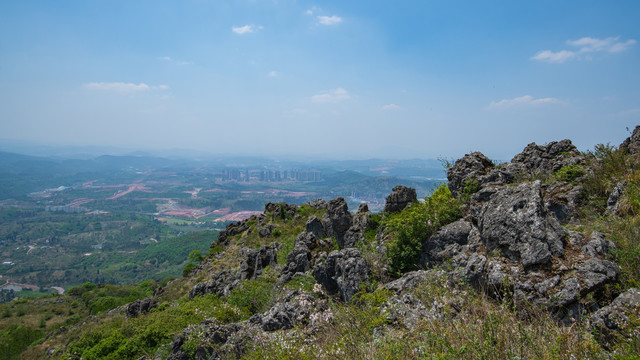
(511, 241)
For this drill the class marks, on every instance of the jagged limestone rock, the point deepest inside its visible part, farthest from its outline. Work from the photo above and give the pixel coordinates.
(400, 197)
(337, 220)
(516, 222)
(140, 307)
(612, 318)
(342, 272)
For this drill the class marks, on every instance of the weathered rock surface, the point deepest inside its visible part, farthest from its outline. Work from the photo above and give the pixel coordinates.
(282, 209)
(294, 309)
(445, 243)
(516, 222)
(400, 197)
(547, 159)
(337, 220)
(471, 169)
(314, 226)
(342, 271)
(613, 202)
(221, 283)
(256, 260)
(140, 307)
(613, 318)
(631, 144)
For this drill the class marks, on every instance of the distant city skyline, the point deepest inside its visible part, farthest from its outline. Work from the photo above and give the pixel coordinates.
(334, 79)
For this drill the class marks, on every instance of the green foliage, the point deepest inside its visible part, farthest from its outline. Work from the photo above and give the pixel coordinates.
(304, 283)
(569, 173)
(252, 296)
(195, 256)
(414, 224)
(469, 188)
(16, 339)
(610, 166)
(187, 269)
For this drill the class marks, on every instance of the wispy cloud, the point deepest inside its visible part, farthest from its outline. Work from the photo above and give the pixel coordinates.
(329, 20)
(124, 88)
(246, 29)
(332, 96)
(174, 61)
(273, 73)
(523, 101)
(627, 113)
(312, 10)
(582, 47)
(390, 107)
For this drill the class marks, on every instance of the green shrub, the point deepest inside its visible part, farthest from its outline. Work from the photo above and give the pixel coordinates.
(416, 223)
(569, 173)
(252, 296)
(187, 269)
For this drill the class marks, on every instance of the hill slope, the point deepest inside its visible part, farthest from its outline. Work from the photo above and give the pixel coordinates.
(533, 258)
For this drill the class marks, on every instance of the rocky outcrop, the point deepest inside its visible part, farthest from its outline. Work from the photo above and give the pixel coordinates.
(613, 319)
(631, 144)
(472, 170)
(256, 260)
(516, 222)
(318, 204)
(337, 220)
(446, 243)
(140, 307)
(342, 272)
(613, 202)
(314, 226)
(295, 309)
(400, 197)
(547, 159)
(232, 229)
(221, 283)
(280, 209)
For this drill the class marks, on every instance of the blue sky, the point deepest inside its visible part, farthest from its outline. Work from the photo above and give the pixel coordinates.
(343, 79)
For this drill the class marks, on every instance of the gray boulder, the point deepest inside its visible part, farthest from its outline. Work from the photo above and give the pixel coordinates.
(611, 319)
(547, 159)
(140, 307)
(314, 226)
(318, 204)
(294, 309)
(342, 272)
(256, 260)
(337, 220)
(445, 243)
(516, 222)
(400, 197)
(221, 284)
(613, 202)
(468, 168)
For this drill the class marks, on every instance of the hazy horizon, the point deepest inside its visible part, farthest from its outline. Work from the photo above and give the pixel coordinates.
(328, 80)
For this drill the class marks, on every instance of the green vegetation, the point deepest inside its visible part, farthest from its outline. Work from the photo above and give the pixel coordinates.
(569, 173)
(410, 227)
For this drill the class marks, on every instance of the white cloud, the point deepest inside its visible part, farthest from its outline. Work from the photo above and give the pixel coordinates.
(121, 87)
(273, 73)
(627, 113)
(554, 57)
(173, 61)
(312, 10)
(329, 20)
(246, 29)
(522, 101)
(390, 107)
(610, 44)
(584, 45)
(333, 96)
